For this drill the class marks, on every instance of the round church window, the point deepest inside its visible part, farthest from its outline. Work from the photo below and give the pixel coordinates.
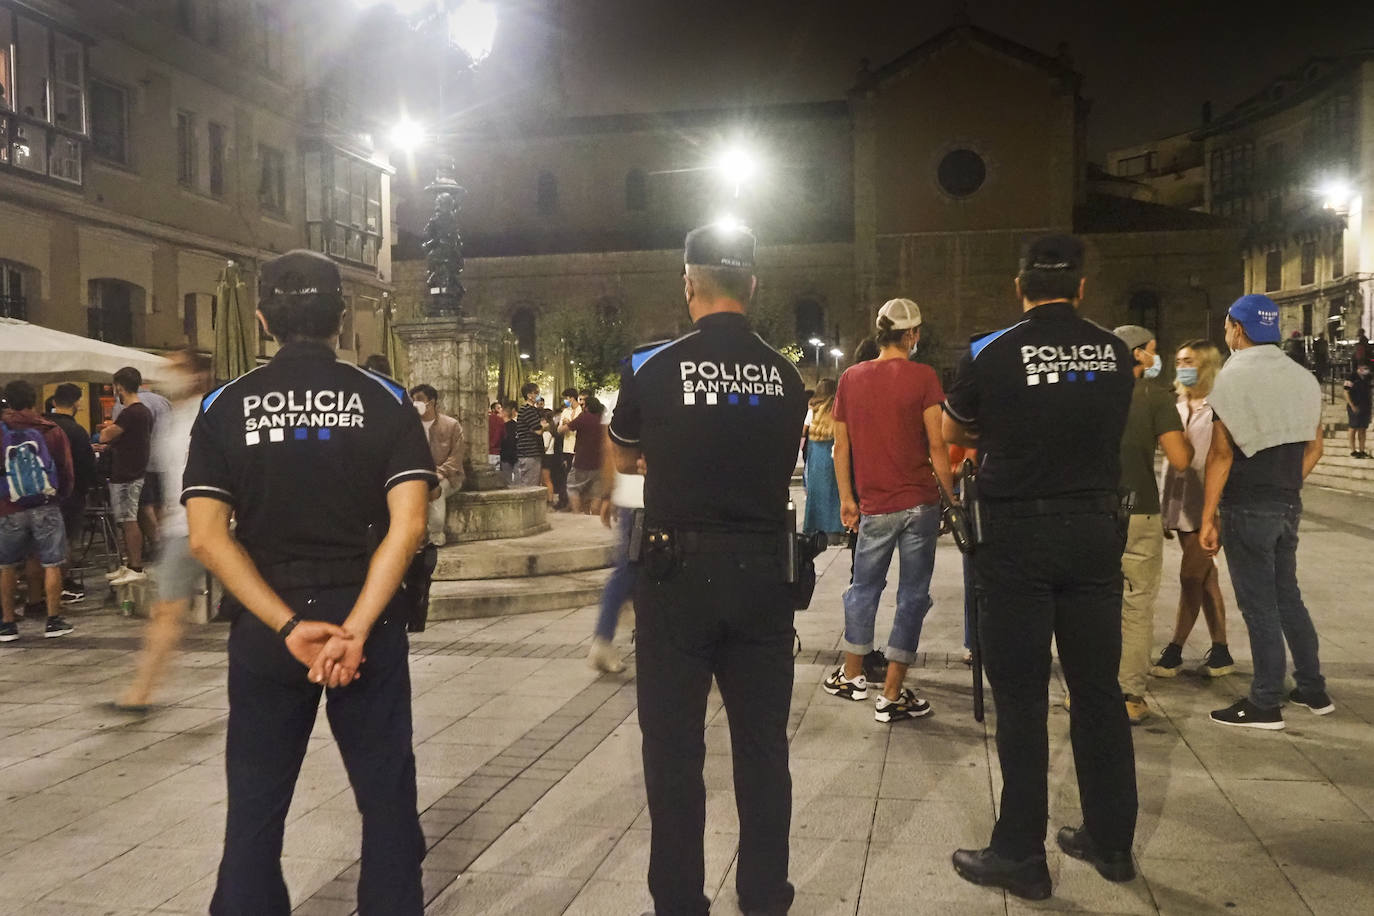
(961, 172)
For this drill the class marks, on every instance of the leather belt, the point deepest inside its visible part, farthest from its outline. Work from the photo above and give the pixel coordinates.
(292, 574)
(1102, 503)
(726, 542)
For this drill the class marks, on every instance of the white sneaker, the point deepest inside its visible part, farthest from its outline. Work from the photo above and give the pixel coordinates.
(130, 577)
(603, 657)
(840, 686)
(118, 573)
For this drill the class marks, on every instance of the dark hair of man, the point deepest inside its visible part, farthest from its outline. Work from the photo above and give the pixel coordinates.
(594, 406)
(128, 378)
(66, 395)
(570, 393)
(192, 360)
(428, 391)
(510, 405)
(313, 316)
(20, 395)
(585, 393)
(889, 336)
(378, 363)
(1048, 285)
(722, 282)
(528, 389)
(494, 405)
(866, 350)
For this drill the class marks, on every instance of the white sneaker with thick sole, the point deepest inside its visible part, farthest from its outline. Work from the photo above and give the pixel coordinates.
(130, 577)
(117, 574)
(837, 685)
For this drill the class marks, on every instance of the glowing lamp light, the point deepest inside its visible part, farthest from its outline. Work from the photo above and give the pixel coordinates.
(407, 135)
(737, 166)
(1336, 193)
(728, 223)
(472, 28)
(816, 342)
(836, 352)
(524, 356)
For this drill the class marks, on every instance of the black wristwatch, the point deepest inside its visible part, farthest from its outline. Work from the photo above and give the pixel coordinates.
(287, 627)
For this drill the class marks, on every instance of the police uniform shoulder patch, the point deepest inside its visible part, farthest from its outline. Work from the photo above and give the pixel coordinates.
(208, 401)
(979, 342)
(393, 387)
(644, 353)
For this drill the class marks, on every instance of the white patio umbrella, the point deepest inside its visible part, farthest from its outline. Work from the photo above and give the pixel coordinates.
(41, 355)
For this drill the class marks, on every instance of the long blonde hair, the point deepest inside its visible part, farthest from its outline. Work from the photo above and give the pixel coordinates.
(1208, 359)
(823, 411)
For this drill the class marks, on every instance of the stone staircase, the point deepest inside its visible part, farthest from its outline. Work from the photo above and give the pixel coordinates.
(565, 567)
(1336, 468)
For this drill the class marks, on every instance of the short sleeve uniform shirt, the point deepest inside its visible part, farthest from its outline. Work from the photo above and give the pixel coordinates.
(1048, 397)
(716, 414)
(306, 449)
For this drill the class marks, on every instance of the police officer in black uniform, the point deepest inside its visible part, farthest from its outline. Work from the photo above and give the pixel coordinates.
(1045, 403)
(326, 469)
(716, 415)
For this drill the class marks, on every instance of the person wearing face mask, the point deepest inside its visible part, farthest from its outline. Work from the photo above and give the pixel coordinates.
(445, 435)
(1152, 421)
(1357, 409)
(1196, 367)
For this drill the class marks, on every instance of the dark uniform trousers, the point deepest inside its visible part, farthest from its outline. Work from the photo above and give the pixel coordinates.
(1043, 577)
(272, 709)
(727, 615)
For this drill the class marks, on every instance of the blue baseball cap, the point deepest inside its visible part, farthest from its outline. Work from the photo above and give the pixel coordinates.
(1258, 315)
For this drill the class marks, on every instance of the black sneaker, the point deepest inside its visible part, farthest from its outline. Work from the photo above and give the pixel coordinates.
(906, 706)
(72, 591)
(875, 667)
(1114, 866)
(9, 632)
(1028, 878)
(1170, 662)
(837, 685)
(56, 627)
(1217, 662)
(1316, 700)
(1245, 714)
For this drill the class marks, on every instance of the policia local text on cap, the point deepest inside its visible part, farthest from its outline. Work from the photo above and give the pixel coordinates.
(308, 452)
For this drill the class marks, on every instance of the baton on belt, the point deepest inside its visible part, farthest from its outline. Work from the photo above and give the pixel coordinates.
(967, 532)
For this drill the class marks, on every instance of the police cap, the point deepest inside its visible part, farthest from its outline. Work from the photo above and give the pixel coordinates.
(299, 273)
(723, 244)
(1053, 253)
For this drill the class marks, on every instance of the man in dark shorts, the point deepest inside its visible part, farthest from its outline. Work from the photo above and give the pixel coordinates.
(1357, 409)
(130, 438)
(63, 413)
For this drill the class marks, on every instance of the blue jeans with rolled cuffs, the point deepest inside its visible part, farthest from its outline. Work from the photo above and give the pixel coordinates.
(912, 533)
(1261, 543)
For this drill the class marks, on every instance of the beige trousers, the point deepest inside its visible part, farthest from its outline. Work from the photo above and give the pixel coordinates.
(438, 513)
(1141, 567)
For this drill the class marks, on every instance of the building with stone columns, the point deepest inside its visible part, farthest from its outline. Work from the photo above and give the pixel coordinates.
(923, 182)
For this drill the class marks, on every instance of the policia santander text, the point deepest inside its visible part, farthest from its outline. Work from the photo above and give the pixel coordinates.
(716, 415)
(308, 453)
(1045, 402)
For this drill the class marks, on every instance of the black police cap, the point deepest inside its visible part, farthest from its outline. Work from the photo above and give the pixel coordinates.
(723, 244)
(299, 273)
(1053, 253)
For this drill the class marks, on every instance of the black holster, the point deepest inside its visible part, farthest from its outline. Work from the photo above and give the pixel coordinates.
(414, 590)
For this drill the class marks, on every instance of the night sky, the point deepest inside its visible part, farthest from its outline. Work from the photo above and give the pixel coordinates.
(1148, 66)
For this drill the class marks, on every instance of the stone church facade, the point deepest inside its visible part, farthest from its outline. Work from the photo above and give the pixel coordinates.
(924, 182)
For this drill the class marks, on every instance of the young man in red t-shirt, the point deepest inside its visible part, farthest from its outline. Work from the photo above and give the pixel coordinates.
(887, 425)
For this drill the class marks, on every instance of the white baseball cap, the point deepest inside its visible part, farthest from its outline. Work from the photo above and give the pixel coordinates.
(903, 313)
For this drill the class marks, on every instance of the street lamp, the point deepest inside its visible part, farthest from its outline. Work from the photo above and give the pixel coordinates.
(1336, 194)
(737, 166)
(837, 353)
(407, 135)
(817, 343)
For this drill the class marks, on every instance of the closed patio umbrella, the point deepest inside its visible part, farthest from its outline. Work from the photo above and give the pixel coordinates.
(233, 354)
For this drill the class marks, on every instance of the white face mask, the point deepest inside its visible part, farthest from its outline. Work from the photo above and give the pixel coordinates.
(420, 407)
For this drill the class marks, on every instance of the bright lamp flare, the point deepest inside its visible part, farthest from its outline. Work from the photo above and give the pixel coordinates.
(407, 135)
(1336, 194)
(472, 28)
(836, 352)
(728, 224)
(738, 166)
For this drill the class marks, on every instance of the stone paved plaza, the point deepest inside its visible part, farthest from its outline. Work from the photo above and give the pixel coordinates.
(533, 799)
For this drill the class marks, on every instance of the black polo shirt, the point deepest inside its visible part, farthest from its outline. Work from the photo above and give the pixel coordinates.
(1049, 398)
(717, 414)
(305, 448)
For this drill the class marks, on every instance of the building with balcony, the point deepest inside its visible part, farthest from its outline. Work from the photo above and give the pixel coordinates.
(1294, 165)
(145, 143)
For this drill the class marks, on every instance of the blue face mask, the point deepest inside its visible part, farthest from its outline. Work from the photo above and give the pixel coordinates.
(1186, 376)
(1153, 371)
